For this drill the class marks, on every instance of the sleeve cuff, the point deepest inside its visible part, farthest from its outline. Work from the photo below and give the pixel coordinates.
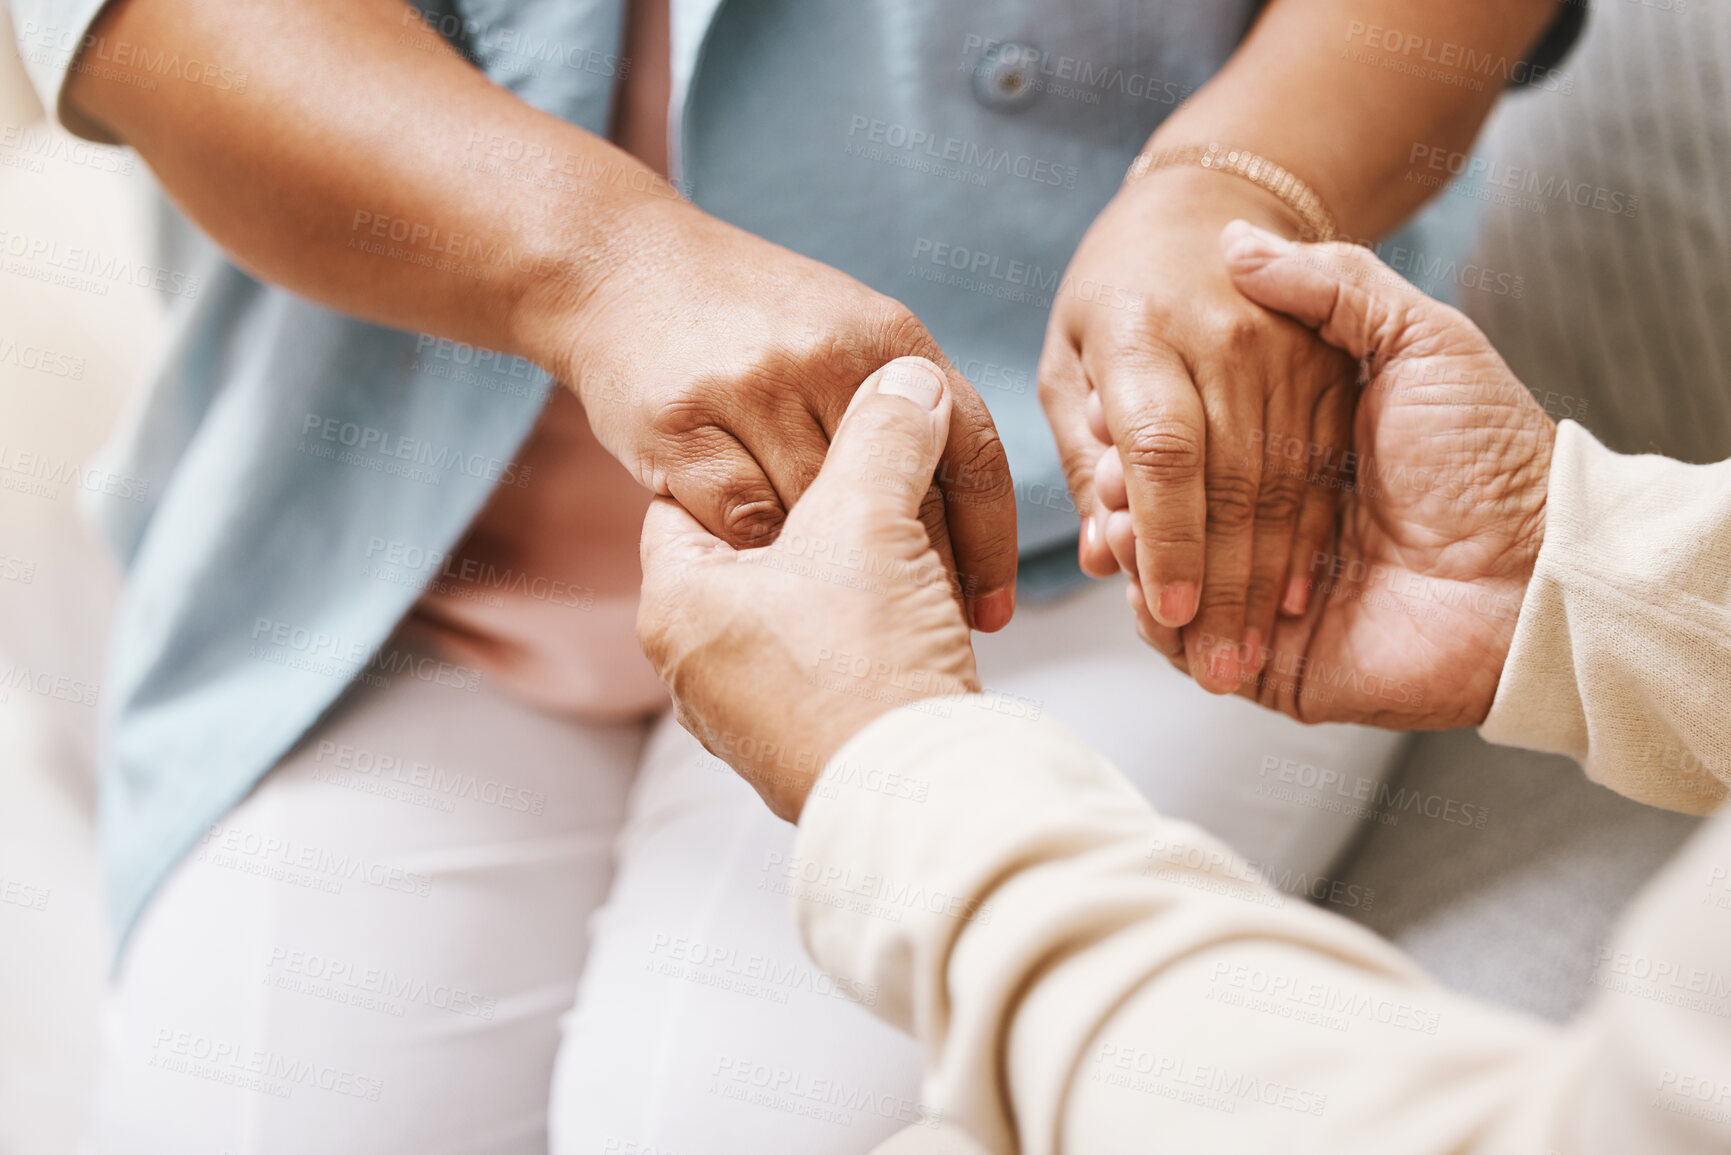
(1620, 652)
(1538, 702)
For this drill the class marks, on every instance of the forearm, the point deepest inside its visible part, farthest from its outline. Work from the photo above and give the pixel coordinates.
(1023, 909)
(1312, 90)
(359, 167)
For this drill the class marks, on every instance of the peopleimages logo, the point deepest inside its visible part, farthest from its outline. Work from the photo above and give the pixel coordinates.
(1070, 76)
(1542, 187)
(46, 259)
(381, 444)
(66, 46)
(1461, 57)
(969, 154)
(981, 263)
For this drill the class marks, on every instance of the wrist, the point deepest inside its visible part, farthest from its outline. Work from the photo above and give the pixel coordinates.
(578, 261)
(1213, 195)
(1254, 169)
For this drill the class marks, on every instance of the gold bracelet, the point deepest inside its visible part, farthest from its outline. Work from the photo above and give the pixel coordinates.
(1317, 221)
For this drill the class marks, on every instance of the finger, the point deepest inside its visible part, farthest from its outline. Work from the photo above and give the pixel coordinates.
(673, 537)
(1315, 523)
(1286, 683)
(1353, 301)
(1110, 488)
(1217, 644)
(1163, 639)
(979, 497)
(1279, 495)
(1120, 533)
(1113, 523)
(789, 446)
(1064, 395)
(1094, 552)
(1096, 415)
(673, 551)
(1157, 423)
(1106, 549)
(725, 488)
(1331, 431)
(884, 455)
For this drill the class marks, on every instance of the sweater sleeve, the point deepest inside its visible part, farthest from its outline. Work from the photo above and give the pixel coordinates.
(1087, 976)
(1621, 657)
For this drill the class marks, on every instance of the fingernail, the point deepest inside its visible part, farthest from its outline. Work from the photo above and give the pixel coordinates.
(1091, 546)
(1296, 598)
(911, 379)
(994, 611)
(1177, 604)
(1223, 668)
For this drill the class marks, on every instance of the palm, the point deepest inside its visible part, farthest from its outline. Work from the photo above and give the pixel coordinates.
(1417, 602)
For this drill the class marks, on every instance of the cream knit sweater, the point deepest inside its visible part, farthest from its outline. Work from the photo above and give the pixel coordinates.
(1089, 977)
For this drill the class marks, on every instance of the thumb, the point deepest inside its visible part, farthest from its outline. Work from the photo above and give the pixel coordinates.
(676, 553)
(674, 543)
(889, 441)
(1354, 301)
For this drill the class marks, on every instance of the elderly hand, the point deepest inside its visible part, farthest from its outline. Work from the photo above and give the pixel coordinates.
(716, 366)
(777, 656)
(1443, 509)
(1190, 386)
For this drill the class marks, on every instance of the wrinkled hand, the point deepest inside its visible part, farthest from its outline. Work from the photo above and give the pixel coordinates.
(777, 656)
(1192, 390)
(716, 366)
(1415, 603)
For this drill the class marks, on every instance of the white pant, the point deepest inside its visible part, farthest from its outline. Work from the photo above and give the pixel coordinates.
(372, 956)
(367, 959)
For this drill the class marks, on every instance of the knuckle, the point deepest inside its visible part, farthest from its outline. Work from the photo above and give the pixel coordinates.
(1221, 606)
(1236, 332)
(681, 415)
(1278, 499)
(1263, 589)
(821, 360)
(1163, 453)
(897, 332)
(974, 464)
(1178, 540)
(1232, 500)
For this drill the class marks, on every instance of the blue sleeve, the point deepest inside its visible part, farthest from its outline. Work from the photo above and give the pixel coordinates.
(50, 34)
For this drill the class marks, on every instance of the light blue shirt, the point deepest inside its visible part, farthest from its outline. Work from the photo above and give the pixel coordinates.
(948, 154)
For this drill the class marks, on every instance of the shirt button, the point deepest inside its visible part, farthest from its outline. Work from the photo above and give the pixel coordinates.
(1007, 77)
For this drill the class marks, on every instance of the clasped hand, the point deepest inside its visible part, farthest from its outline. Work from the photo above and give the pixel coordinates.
(777, 656)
